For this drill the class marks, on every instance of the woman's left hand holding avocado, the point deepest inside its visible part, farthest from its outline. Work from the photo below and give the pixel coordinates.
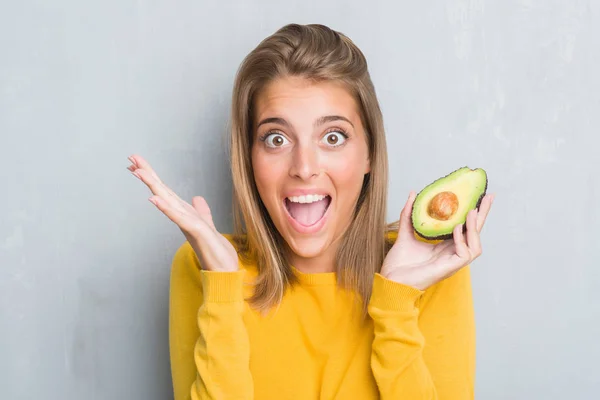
(419, 264)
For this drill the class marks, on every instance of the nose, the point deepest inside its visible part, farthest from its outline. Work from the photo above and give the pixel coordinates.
(305, 162)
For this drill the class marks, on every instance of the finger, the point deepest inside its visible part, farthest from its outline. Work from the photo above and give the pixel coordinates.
(159, 189)
(473, 235)
(201, 206)
(152, 177)
(460, 245)
(459, 256)
(183, 220)
(142, 169)
(133, 161)
(405, 228)
(164, 206)
(141, 163)
(484, 209)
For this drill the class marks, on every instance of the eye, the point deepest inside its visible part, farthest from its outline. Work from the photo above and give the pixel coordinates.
(274, 140)
(334, 138)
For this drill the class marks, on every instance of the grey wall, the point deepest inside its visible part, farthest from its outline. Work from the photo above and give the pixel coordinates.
(510, 86)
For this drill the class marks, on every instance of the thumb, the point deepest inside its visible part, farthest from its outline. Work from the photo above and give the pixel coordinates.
(405, 229)
(201, 206)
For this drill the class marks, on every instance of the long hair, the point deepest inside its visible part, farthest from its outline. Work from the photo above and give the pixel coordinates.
(317, 53)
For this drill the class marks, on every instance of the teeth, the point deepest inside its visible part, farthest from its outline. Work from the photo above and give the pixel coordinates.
(309, 198)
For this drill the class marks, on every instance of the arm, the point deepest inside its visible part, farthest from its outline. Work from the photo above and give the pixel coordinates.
(424, 346)
(208, 340)
(206, 304)
(447, 322)
(423, 313)
(397, 360)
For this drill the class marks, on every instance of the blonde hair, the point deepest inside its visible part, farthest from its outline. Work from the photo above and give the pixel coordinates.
(317, 53)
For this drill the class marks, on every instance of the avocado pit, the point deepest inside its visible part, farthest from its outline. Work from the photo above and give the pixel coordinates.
(443, 206)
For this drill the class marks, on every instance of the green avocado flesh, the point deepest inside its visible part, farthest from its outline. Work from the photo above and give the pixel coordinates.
(445, 203)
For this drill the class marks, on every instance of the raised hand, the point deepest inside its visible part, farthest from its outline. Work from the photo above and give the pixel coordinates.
(420, 264)
(214, 251)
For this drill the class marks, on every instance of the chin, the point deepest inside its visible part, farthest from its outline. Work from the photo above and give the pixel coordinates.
(308, 247)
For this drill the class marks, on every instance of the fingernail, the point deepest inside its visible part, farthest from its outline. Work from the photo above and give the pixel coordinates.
(152, 200)
(136, 174)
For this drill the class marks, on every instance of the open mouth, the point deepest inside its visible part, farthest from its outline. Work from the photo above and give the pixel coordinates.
(307, 211)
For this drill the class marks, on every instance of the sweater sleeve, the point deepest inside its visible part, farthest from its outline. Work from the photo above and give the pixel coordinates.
(424, 344)
(209, 344)
(397, 352)
(222, 352)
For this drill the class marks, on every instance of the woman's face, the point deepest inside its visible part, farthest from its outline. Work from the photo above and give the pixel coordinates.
(310, 157)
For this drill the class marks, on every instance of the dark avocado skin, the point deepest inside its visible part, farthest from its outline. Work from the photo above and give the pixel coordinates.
(449, 235)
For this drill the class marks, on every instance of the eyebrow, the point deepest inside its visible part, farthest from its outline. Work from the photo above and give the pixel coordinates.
(320, 121)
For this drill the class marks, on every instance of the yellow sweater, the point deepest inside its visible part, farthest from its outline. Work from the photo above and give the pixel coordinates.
(315, 345)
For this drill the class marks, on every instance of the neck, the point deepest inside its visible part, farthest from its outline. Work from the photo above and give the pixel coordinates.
(324, 262)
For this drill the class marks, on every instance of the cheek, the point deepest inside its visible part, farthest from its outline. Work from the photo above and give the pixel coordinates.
(347, 175)
(265, 176)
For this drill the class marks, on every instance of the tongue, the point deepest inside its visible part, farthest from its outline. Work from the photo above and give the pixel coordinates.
(307, 213)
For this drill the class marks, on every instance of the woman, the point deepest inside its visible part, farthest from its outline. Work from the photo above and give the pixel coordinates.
(313, 296)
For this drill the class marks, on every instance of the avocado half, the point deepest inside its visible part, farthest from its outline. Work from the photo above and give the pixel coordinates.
(445, 203)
